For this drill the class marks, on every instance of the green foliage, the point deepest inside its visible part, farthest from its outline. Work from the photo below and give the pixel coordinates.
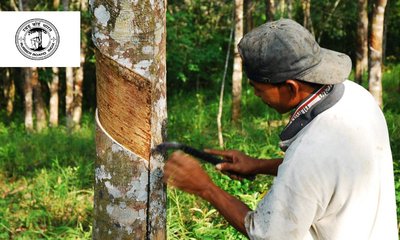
(197, 39)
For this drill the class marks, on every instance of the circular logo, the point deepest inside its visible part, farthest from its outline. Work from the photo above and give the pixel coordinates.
(37, 39)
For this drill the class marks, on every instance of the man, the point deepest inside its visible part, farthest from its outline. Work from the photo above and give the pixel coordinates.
(336, 179)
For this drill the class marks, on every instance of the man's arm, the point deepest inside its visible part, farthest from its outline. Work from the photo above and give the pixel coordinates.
(185, 173)
(233, 210)
(242, 164)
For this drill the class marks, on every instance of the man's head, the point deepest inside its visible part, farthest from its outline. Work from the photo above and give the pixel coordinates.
(276, 52)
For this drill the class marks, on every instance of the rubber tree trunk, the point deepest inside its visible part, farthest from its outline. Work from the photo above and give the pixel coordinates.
(289, 8)
(9, 90)
(40, 106)
(129, 199)
(237, 63)
(375, 53)
(69, 95)
(28, 99)
(362, 40)
(307, 22)
(54, 99)
(79, 75)
(281, 8)
(249, 6)
(270, 10)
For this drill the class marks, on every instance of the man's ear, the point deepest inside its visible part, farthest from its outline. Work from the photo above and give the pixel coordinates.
(294, 87)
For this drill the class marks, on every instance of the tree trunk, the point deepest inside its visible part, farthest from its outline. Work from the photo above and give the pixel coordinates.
(40, 106)
(221, 93)
(56, 4)
(307, 22)
(289, 8)
(78, 84)
(375, 53)
(281, 8)
(129, 198)
(362, 40)
(65, 4)
(28, 100)
(69, 95)
(9, 91)
(270, 10)
(249, 6)
(78, 95)
(237, 63)
(54, 99)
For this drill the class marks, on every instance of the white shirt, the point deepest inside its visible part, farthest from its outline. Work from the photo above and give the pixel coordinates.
(336, 180)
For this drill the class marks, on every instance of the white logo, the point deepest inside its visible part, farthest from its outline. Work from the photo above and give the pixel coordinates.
(37, 39)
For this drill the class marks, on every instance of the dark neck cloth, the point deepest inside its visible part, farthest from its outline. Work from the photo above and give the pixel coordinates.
(319, 101)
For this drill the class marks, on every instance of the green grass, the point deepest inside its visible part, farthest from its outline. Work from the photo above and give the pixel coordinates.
(46, 179)
(46, 183)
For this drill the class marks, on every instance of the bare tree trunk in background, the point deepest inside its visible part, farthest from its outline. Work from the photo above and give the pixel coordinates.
(56, 4)
(307, 22)
(28, 99)
(249, 10)
(362, 41)
(9, 90)
(54, 99)
(65, 4)
(13, 5)
(237, 63)
(270, 10)
(129, 195)
(221, 93)
(69, 85)
(375, 51)
(40, 106)
(69, 95)
(78, 84)
(54, 86)
(384, 39)
(78, 96)
(281, 8)
(289, 8)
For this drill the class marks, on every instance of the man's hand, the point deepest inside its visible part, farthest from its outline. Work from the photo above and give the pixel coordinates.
(240, 163)
(184, 172)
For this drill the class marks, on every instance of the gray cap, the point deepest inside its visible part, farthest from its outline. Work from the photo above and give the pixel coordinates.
(277, 51)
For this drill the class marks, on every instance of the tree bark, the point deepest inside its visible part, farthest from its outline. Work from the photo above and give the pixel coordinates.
(40, 106)
(69, 95)
(362, 40)
(289, 8)
(281, 8)
(9, 91)
(249, 6)
(270, 10)
(78, 96)
(221, 93)
(65, 4)
(307, 22)
(375, 53)
(129, 200)
(237, 62)
(56, 4)
(28, 100)
(78, 84)
(54, 99)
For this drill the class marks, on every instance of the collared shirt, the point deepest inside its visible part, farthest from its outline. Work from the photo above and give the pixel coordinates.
(336, 179)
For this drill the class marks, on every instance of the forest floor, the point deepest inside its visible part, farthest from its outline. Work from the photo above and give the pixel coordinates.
(46, 179)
